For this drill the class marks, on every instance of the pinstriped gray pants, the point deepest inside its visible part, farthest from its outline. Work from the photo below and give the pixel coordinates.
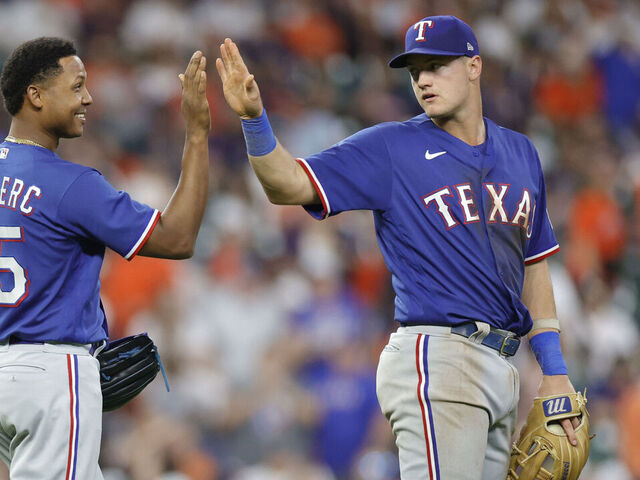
(451, 403)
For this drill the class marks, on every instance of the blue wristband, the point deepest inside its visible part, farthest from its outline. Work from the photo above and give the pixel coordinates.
(258, 135)
(546, 348)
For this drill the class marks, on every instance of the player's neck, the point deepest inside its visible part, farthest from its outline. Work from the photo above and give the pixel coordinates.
(467, 124)
(24, 130)
(473, 133)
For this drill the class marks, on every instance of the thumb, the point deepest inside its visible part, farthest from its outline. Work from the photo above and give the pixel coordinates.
(181, 78)
(249, 81)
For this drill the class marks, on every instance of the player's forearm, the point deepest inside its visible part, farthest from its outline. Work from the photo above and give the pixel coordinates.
(537, 291)
(544, 339)
(283, 179)
(176, 232)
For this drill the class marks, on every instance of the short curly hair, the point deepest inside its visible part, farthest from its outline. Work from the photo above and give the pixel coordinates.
(32, 62)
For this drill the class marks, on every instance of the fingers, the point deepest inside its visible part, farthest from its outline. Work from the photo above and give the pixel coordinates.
(193, 65)
(202, 76)
(568, 428)
(221, 70)
(194, 75)
(224, 52)
(223, 64)
(231, 58)
(575, 422)
(202, 84)
(234, 53)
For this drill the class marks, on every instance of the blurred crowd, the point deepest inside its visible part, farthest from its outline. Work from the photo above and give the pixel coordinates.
(270, 335)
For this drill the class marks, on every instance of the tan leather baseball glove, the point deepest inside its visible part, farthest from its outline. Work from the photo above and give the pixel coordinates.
(543, 451)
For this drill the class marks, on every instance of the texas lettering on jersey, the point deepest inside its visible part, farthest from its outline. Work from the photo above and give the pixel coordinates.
(14, 194)
(522, 216)
(456, 223)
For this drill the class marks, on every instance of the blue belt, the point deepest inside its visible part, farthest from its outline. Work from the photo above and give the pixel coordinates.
(501, 340)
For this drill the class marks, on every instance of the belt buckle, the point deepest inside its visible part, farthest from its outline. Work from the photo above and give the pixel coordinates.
(504, 344)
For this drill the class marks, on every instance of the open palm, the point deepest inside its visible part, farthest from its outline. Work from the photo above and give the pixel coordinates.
(239, 86)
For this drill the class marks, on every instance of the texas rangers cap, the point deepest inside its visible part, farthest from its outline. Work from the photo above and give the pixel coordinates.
(437, 35)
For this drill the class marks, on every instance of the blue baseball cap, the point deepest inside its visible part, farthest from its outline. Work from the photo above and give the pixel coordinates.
(437, 35)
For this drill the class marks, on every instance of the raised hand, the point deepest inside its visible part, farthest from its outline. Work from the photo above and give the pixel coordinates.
(195, 107)
(239, 86)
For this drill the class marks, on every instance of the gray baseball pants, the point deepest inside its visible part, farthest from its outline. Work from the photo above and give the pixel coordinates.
(451, 403)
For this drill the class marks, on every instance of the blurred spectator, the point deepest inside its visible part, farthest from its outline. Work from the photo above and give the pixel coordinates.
(628, 422)
(570, 88)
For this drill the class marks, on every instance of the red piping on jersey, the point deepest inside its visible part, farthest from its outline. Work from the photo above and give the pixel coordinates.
(146, 237)
(315, 185)
(538, 259)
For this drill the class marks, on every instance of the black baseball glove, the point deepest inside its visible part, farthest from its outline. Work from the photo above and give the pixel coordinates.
(127, 366)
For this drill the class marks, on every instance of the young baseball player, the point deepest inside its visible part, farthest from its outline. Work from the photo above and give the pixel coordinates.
(56, 218)
(460, 216)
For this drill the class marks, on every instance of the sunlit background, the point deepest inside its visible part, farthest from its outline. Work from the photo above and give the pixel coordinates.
(270, 335)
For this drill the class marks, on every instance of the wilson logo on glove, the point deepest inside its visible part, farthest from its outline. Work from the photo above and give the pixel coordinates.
(556, 406)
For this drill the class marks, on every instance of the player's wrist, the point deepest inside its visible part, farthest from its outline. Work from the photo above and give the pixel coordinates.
(198, 134)
(258, 135)
(254, 115)
(548, 353)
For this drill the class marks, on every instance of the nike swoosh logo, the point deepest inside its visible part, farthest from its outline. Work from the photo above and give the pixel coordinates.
(431, 156)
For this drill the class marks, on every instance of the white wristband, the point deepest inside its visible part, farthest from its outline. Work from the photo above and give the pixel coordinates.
(540, 323)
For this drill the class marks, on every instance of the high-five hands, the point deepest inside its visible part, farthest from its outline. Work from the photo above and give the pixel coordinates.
(195, 107)
(239, 86)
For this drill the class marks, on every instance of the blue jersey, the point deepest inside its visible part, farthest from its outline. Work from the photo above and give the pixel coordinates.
(55, 219)
(456, 223)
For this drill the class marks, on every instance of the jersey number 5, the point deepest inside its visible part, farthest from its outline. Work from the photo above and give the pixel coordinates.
(13, 297)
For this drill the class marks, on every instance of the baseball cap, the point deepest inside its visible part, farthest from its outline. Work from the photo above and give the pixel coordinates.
(437, 35)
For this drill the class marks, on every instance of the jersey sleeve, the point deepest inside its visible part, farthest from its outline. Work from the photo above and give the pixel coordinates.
(542, 242)
(92, 208)
(354, 174)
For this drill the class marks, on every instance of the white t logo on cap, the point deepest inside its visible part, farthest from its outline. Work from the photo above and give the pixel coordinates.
(420, 26)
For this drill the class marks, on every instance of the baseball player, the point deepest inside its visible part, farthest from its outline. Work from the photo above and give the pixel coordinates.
(56, 218)
(460, 216)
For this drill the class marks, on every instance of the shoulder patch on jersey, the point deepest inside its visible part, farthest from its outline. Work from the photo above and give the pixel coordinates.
(4, 152)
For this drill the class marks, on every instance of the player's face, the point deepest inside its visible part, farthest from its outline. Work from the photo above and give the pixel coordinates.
(65, 99)
(441, 84)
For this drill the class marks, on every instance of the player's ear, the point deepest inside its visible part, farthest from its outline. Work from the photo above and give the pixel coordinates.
(34, 96)
(474, 66)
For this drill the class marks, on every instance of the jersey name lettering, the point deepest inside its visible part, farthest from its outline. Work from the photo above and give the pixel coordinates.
(522, 217)
(13, 195)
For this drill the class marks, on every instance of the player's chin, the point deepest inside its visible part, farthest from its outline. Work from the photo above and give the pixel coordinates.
(72, 134)
(73, 131)
(436, 112)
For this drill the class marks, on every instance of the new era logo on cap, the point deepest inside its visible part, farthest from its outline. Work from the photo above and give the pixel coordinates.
(438, 35)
